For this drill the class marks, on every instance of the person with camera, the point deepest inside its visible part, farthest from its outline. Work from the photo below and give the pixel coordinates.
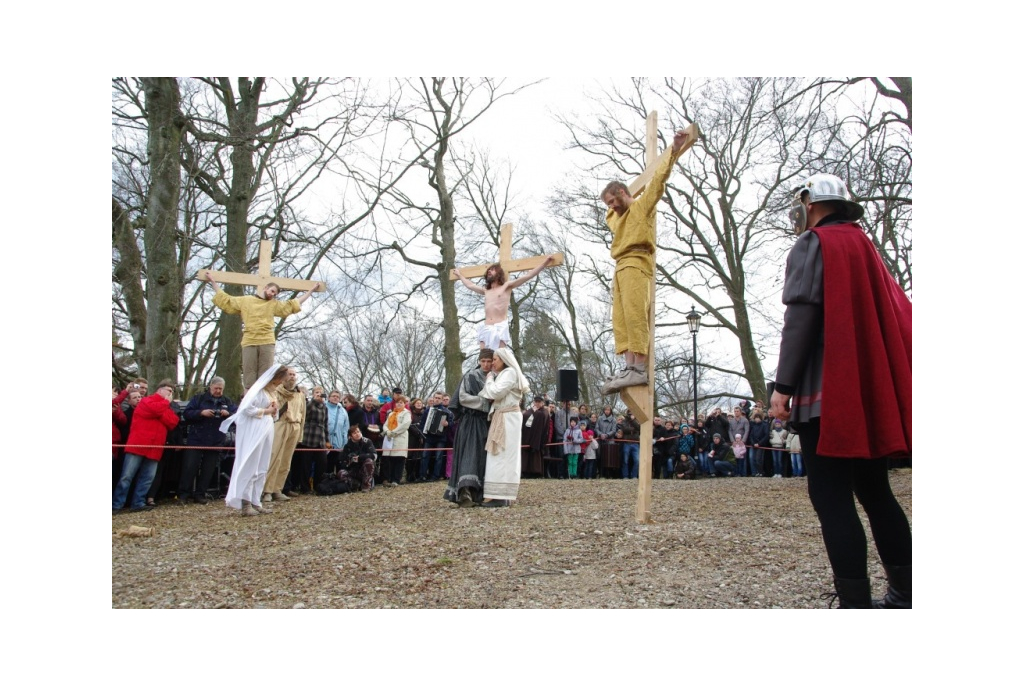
(153, 418)
(140, 386)
(203, 415)
(359, 458)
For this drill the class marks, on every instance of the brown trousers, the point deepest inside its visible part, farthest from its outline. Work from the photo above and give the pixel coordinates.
(631, 300)
(256, 359)
(286, 437)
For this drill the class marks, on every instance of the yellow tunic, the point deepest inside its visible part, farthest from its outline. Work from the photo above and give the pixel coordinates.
(633, 242)
(633, 235)
(257, 315)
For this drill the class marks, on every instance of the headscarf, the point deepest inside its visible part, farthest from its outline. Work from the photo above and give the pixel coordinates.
(250, 396)
(505, 355)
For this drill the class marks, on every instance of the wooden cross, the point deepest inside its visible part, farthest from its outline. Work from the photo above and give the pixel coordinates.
(262, 275)
(640, 398)
(505, 259)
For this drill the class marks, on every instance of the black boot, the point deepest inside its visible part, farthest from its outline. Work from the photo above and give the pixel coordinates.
(898, 594)
(852, 594)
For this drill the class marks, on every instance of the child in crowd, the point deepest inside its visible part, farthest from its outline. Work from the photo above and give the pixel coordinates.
(796, 460)
(590, 454)
(685, 469)
(777, 439)
(573, 440)
(740, 451)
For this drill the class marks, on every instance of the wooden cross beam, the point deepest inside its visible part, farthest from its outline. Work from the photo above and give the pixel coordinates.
(505, 259)
(640, 398)
(262, 275)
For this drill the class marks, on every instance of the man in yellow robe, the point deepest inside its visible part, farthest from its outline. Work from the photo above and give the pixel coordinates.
(258, 341)
(631, 221)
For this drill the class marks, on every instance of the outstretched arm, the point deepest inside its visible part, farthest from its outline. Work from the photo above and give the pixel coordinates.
(656, 186)
(216, 286)
(469, 284)
(305, 296)
(530, 274)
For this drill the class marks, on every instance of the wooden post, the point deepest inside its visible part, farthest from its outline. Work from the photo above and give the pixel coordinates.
(640, 398)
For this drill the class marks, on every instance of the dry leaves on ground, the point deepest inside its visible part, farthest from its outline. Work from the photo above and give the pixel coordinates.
(715, 543)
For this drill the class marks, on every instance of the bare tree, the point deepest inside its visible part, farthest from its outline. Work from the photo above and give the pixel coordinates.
(252, 159)
(871, 147)
(153, 311)
(435, 112)
(364, 351)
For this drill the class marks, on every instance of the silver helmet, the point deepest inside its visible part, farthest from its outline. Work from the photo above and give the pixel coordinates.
(822, 188)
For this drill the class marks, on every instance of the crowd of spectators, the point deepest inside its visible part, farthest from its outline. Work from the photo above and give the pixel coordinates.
(390, 439)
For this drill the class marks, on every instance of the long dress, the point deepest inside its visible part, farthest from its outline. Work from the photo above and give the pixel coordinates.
(468, 453)
(503, 470)
(254, 440)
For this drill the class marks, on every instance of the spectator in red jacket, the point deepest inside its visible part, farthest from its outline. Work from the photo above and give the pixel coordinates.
(153, 417)
(118, 421)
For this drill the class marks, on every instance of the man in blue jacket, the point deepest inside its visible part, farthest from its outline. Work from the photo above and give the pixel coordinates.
(203, 414)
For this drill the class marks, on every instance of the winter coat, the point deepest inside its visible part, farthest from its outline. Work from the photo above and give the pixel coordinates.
(759, 433)
(153, 418)
(118, 421)
(573, 439)
(739, 425)
(687, 443)
(605, 426)
(204, 431)
(777, 438)
(793, 443)
(400, 435)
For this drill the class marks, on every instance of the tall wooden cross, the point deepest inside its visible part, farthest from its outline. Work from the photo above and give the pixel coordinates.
(262, 275)
(508, 264)
(640, 398)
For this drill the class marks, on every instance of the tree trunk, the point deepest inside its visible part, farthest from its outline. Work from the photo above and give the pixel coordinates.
(450, 312)
(163, 275)
(242, 126)
(128, 274)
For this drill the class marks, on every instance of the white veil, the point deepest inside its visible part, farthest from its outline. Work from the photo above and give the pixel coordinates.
(250, 396)
(505, 354)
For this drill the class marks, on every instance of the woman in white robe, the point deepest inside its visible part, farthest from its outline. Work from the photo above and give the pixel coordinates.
(505, 387)
(254, 439)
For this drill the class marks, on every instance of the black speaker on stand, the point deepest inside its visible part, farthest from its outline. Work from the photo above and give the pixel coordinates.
(568, 385)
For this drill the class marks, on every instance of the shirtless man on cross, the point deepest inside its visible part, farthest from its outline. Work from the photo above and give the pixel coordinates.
(493, 333)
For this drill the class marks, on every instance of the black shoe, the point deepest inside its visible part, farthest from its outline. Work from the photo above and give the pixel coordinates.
(852, 593)
(147, 507)
(202, 499)
(495, 503)
(181, 501)
(898, 594)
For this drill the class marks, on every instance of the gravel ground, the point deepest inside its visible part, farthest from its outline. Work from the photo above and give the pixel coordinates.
(723, 543)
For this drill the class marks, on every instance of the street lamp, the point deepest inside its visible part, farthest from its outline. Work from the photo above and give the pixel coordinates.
(693, 321)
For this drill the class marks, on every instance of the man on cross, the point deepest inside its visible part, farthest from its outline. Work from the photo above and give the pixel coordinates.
(493, 333)
(258, 312)
(631, 221)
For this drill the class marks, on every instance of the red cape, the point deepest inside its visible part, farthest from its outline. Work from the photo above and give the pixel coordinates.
(866, 383)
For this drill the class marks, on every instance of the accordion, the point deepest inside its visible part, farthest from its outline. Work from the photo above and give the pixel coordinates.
(432, 423)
